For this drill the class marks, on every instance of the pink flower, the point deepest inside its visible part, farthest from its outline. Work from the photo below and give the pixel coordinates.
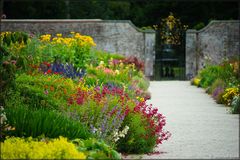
(108, 71)
(46, 92)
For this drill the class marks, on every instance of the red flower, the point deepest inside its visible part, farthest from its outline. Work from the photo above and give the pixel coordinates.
(47, 64)
(49, 71)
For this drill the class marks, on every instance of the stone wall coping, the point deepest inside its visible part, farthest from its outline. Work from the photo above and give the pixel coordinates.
(74, 20)
(49, 20)
(211, 23)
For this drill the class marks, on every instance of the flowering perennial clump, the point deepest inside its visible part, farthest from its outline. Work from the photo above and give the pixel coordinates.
(217, 94)
(120, 134)
(222, 82)
(67, 70)
(74, 39)
(19, 148)
(229, 93)
(156, 122)
(87, 93)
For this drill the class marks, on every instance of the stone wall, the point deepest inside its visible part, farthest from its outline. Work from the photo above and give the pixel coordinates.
(214, 43)
(114, 36)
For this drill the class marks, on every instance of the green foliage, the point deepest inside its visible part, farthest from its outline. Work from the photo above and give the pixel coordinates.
(14, 37)
(57, 148)
(29, 148)
(236, 105)
(141, 82)
(141, 13)
(211, 73)
(73, 48)
(106, 75)
(36, 97)
(217, 83)
(96, 149)
(199, 26)
(32, 122)
(47, 91)
(222, 82)
(208, 76)
(51, 105)
(7, 72)
(98, 55)
(135, 141)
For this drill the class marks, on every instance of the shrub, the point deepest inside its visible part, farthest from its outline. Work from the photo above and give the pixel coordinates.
(28, 148)
(145, 130)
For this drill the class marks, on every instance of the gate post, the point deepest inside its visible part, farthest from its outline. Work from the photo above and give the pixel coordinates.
(149, 52)
(191, 57)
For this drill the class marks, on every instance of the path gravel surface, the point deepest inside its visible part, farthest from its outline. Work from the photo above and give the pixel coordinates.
(201, 129)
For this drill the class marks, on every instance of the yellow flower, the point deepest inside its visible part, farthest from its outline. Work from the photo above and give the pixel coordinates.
(117, 72)
(59, 35)
(101, 63)
(142, 99)
(229, 93)
(196, 81)
(19, 148)
(45, 38)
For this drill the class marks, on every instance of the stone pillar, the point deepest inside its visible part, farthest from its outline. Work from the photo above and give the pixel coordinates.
(191, 55)
(149, 52)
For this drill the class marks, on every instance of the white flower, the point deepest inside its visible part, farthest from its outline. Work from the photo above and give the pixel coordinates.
(117, 72)
(3, 118)
(120, 134)
(116, 139)
(101, 63)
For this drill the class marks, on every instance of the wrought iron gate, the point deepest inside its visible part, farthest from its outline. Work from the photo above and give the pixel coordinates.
(170, 61)
(170, 58)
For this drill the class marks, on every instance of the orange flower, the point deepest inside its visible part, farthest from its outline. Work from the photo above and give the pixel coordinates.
(52, 88)
(65, 91)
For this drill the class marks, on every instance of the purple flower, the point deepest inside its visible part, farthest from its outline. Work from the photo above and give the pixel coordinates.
(219, 90)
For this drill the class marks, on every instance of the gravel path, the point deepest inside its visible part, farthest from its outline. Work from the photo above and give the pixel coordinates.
(201, 129)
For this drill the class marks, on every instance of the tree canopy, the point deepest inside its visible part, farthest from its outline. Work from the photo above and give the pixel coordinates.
(140, 12)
